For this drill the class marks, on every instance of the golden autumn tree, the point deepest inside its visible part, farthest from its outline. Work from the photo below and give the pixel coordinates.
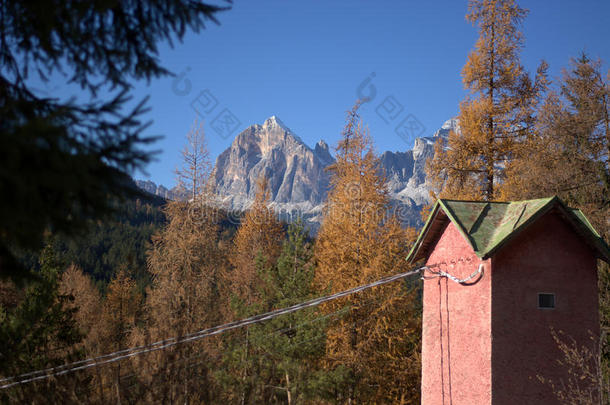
(183, 298)
(86, 301)
(112, 333)
(186, 267)
(359, 242)
(569, 155)
(498, 113)
(259, 236)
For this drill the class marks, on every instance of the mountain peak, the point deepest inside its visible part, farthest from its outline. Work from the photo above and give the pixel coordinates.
(275, 122)
(297, 177)
(297, 180)
(321, 151)
(452, 124)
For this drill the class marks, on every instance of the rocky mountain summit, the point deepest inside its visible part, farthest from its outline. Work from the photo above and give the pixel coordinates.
(295, 172)
(406, 171)
(297, 179)
(158, 190)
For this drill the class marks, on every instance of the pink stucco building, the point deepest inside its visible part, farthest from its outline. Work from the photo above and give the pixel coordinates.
(501, 277)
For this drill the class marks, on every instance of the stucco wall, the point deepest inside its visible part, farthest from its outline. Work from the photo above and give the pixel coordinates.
(456, 365)
(546, 257)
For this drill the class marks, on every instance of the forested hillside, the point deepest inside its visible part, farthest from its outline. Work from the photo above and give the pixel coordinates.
(118, 243)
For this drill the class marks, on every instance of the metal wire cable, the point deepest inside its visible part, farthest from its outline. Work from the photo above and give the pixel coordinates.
(191, 361)
(134, 351)
(299, 342)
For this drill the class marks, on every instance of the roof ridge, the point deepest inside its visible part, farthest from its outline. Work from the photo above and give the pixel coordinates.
(499, 239)
(475, 201)
(520, 216)
(479, 218)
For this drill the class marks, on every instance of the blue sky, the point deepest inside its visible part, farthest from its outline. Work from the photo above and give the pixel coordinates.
(305, 62)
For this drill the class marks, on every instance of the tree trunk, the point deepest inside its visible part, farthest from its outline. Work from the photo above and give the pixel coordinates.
(117, 385)
(288, 393)
(101, 384)
(606, 173)
(245, 371)
(352, 388)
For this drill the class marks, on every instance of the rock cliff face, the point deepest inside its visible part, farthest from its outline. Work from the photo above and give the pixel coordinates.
(406, 171)
(296, 175)
(297, 179)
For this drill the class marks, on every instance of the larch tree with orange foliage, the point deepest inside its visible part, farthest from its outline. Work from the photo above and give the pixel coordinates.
(259, 237)
(186, 267)
(569, 155)
(118, 318)
(87, 302)
(499, 112)
(360, 241)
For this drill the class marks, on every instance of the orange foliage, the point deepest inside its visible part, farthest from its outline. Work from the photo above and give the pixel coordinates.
(359, 242)
(259, 237)
(499, 112)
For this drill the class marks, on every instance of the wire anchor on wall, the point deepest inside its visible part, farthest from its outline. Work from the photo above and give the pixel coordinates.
(441, 273)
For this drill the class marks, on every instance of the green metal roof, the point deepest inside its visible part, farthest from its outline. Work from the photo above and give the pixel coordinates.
(489, 225)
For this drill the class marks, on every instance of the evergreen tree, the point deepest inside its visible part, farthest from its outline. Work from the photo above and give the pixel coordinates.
(359, 242)
(499, 112)
(38, 333)
(257, 244)
(283, 353)
(120, 240)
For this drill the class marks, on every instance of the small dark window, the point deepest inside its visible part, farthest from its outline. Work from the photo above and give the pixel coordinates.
(546, 300)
